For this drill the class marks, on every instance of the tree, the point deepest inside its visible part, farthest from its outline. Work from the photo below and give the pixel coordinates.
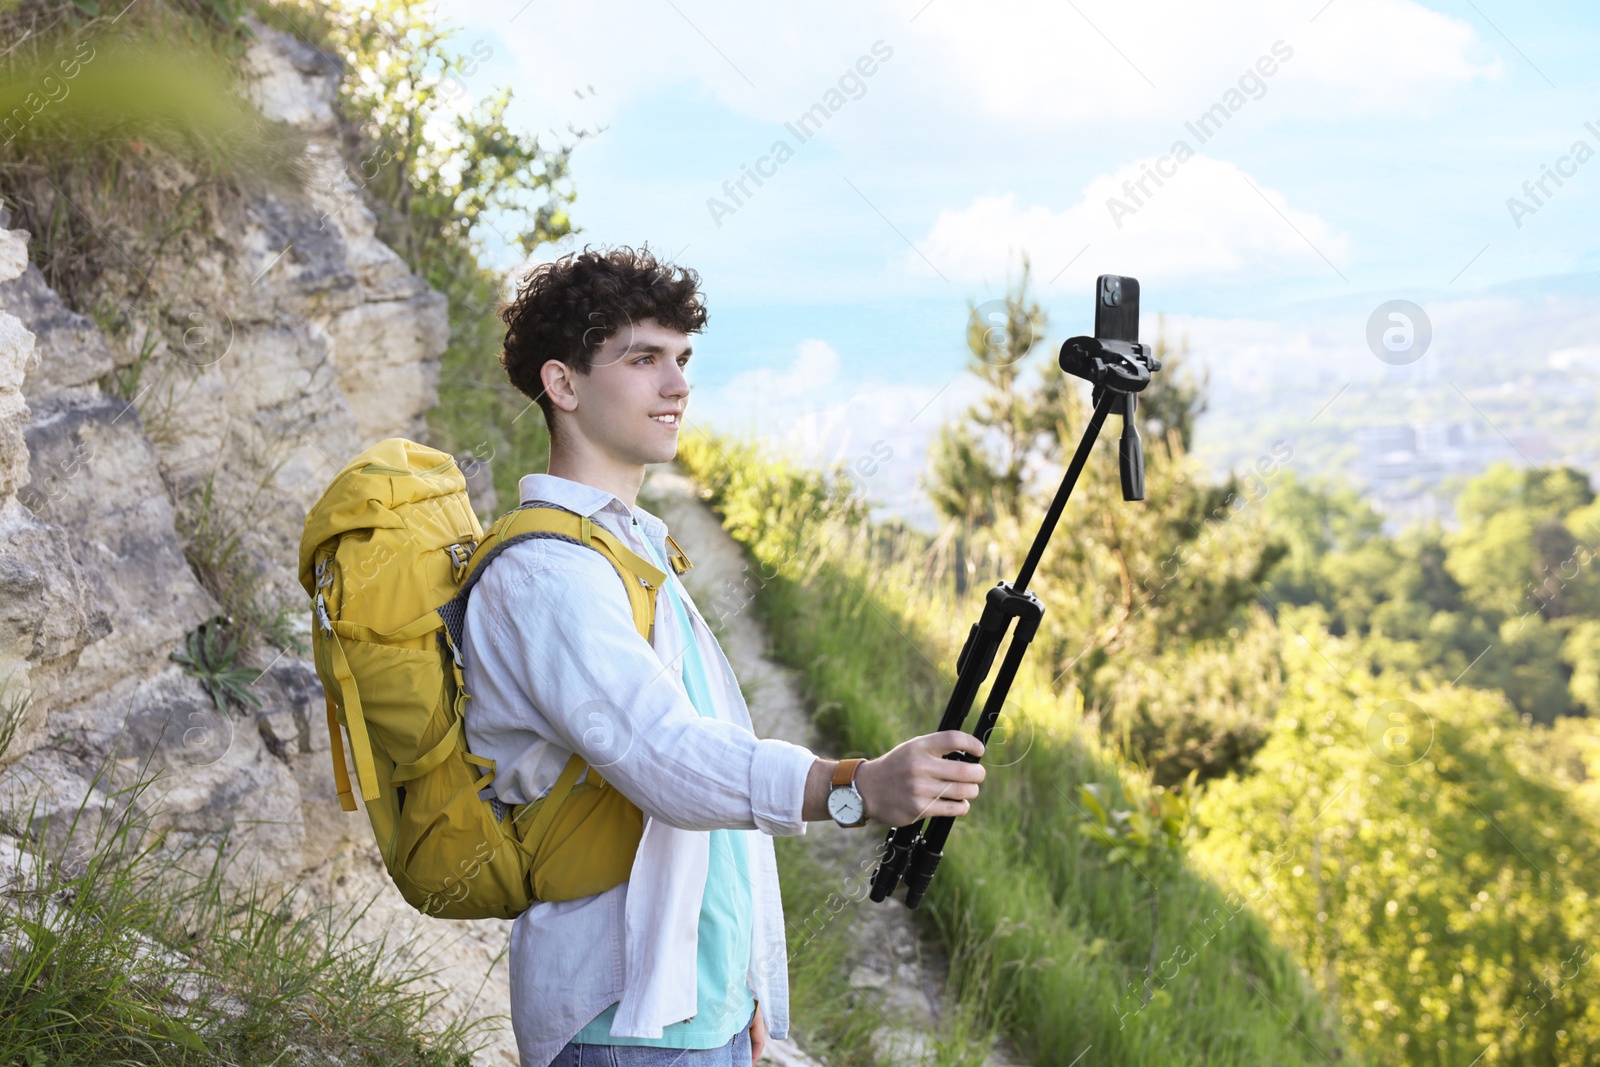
(1581, 651)
(1504, 597)
(979, 465)
(1176, 397)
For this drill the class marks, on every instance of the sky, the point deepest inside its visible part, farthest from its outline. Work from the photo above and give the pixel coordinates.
(1273, 173)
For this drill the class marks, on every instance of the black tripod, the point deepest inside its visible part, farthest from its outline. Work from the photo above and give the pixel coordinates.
(1118, 370)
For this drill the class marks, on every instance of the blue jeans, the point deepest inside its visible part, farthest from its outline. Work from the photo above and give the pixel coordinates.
(736, 1053)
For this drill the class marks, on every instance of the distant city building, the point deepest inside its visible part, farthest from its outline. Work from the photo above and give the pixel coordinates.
(1405, 465)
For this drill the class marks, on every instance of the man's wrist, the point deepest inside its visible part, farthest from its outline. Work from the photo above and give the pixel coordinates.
(819, 783)
(866, 782)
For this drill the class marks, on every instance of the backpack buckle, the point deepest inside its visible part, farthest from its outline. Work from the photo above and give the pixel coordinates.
(460, 556)
(455, 653)
(678, 559)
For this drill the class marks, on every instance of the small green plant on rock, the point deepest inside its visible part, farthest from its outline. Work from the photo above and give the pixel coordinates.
(208, 655)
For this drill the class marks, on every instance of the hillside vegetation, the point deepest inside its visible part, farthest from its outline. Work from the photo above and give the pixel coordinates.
(1342, 839)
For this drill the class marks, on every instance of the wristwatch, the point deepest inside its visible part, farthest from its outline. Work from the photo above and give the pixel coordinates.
(844, 800)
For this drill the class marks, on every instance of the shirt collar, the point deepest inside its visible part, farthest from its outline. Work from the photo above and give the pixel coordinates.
(587, 500)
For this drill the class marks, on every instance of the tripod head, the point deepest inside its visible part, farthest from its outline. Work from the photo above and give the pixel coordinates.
(1122, 368)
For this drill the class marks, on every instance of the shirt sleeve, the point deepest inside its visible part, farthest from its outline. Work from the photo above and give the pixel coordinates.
(560, 611)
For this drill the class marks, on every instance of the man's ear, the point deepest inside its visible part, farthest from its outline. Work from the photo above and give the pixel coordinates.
(558, 386)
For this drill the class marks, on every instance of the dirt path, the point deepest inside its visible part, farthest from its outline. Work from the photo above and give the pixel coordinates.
(901, 970)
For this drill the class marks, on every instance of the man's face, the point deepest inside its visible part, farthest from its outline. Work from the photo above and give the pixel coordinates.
(630, 404)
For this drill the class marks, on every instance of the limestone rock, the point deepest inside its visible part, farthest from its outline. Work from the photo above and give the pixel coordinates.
(386, 344)
(47, 615)
(291, 80)
(41, 617)
(13, 249)
(271, 347)
(17, 357)
(864, 977)
(71, 349)
(96, 476)
(388, 363)
(291, 690)
(212, 774)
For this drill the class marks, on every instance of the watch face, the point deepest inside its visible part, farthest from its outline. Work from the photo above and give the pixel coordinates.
(844, 804)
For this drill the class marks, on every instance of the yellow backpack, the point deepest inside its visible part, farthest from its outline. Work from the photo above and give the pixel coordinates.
(389, 556)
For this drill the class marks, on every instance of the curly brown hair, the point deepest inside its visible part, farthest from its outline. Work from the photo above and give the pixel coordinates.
(567, 309)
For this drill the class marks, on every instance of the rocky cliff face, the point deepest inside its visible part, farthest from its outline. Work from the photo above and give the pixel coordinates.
(304, 338)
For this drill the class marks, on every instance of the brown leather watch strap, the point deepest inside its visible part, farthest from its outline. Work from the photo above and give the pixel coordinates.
(844, 772)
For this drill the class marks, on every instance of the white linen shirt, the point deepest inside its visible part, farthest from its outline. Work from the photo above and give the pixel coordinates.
(553, 665)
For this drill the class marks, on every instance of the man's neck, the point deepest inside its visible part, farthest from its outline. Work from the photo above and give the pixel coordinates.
(621, 480)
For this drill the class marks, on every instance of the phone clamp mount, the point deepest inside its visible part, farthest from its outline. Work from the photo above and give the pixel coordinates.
(1118, 370)
(1121, 369)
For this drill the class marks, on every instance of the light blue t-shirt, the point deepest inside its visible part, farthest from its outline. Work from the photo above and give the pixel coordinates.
(723, 1003)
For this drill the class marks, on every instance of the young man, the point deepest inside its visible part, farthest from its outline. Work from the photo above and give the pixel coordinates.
(683, 963)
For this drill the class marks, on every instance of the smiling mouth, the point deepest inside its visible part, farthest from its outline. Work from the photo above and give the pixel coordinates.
(670, 420)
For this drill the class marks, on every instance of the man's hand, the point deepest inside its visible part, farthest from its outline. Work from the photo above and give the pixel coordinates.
(914, 781)
(758, 1036)
(909, 782)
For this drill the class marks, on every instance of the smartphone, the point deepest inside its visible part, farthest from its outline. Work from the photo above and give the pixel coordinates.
(1116, 308)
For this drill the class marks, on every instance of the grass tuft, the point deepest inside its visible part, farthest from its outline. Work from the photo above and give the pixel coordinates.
(116, 949)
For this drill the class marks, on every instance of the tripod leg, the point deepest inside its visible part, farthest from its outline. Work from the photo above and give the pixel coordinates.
(1068, 481)
(929, 849)
(892, 861)
(922, 853)
(977, 656)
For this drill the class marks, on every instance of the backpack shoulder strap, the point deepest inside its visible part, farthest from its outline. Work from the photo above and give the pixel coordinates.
(640, 578)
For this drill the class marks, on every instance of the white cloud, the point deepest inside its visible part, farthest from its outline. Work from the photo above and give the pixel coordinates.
(1066, 63)
(1016, 60)
(815, 366)
(1586, 357)
(1384, 55)
(882, 431)
(779, 405)
(1208, 217)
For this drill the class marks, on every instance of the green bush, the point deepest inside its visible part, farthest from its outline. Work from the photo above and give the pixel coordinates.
(1439, 877)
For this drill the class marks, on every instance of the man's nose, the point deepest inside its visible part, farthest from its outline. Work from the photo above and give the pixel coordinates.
(677, 385)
